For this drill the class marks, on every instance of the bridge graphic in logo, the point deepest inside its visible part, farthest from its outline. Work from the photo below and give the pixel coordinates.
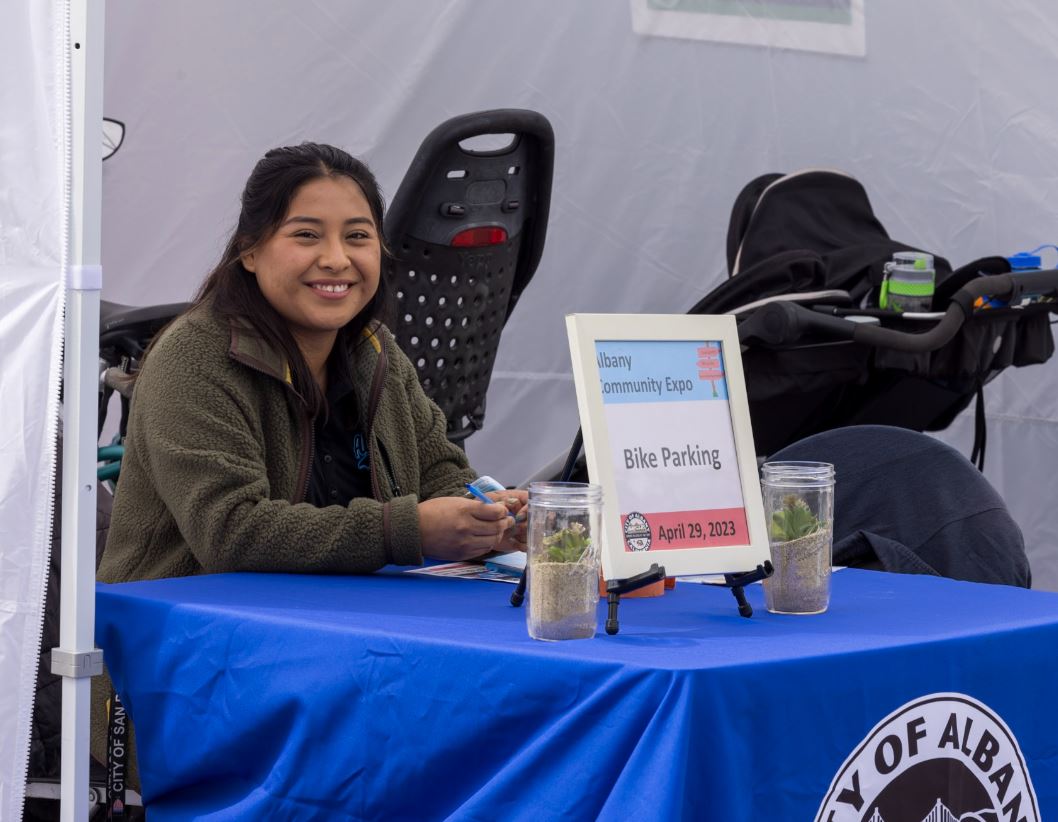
(940, 813)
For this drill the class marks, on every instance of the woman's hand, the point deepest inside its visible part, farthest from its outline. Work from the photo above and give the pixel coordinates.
(456, 529)
(517, 502)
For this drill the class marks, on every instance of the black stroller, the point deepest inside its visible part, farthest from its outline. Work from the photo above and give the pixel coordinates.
(806, 257)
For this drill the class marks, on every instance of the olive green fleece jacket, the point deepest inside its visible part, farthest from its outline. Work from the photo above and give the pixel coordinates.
(218, 457)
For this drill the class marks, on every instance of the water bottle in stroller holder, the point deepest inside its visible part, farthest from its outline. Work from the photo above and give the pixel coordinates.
(1022, 262)
(908, 282)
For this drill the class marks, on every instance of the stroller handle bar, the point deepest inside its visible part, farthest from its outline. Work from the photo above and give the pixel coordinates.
(783, 323)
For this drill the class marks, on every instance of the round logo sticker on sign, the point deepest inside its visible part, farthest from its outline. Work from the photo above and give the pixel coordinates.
(637, 532)
(940, 758)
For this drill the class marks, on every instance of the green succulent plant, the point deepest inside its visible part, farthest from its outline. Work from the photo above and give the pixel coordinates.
(568, 544)
(794, 520)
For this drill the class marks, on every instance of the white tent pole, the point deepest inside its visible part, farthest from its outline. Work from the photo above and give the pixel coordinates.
(77, 658)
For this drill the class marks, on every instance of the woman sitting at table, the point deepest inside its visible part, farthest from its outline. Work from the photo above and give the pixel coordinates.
(276, 425)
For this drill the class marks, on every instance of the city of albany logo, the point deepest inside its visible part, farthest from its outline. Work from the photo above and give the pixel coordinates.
(637, 532)
(939, 758)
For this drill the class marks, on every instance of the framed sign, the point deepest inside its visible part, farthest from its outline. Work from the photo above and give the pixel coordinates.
(667, 435)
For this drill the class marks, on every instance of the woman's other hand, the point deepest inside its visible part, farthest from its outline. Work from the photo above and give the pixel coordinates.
(456, 529)
(517, 503)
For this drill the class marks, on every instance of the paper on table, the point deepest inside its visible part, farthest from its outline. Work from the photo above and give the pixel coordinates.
(514, 562)
(464, 570)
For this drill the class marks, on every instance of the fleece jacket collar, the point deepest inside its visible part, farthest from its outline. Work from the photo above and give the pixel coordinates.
(253, 350)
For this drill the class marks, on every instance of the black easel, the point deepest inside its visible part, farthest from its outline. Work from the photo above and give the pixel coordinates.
(736, 582)
(616, 587)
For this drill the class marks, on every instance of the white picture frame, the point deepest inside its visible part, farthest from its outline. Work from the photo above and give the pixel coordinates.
(674, 455)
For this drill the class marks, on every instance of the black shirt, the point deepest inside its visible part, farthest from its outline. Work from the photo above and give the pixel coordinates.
(341, 465)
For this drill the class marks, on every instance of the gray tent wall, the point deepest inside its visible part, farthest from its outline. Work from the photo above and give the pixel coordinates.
(948, 120)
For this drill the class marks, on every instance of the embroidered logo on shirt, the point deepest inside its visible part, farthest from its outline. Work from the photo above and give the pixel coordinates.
(360, 452)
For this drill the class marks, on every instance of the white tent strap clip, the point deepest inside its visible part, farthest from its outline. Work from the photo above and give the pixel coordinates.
(85, 277)
(76, 664)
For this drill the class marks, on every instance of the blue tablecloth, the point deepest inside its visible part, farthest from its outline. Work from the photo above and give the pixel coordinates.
(397, 696)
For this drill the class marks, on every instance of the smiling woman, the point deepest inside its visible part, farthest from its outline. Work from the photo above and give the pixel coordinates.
(276, 425)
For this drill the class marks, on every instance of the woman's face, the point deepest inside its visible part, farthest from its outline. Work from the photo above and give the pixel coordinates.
(321, 266)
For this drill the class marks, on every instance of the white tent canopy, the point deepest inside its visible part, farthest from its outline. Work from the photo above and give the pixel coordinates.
(948, 121)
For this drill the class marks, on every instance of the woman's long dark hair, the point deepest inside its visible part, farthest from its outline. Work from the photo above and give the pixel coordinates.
(233, 291)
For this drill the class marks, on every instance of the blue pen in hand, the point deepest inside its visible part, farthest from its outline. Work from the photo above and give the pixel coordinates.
(474, 492)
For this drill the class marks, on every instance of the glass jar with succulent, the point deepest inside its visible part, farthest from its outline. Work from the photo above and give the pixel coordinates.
(563, 563)
(799, 503)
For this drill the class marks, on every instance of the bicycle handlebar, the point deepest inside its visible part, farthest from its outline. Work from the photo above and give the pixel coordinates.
(784, 323)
